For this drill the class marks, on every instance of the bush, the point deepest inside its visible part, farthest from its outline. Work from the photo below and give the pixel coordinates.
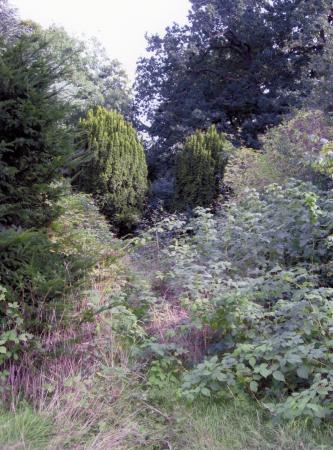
(34, 272)
(200, 168)
(38, 269)
(254, 275)
(294, 149)
(116, 174)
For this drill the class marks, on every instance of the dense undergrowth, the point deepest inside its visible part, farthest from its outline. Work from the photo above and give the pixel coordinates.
(210, 327)
(212, 331)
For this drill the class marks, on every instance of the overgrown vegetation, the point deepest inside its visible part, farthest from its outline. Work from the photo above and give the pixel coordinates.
(210, 326)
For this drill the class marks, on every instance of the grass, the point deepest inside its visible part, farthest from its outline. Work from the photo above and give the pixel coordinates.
(90, 390)
(24, 429)
(240, 426)
(113, 408)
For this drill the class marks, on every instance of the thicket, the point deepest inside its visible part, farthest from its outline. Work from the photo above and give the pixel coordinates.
(199, 168)
(297, 148)
(258, 275)
(37, 268)
(234, 305)
(116, 171)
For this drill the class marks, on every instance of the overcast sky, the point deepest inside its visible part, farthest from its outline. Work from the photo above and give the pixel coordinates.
(119, 24)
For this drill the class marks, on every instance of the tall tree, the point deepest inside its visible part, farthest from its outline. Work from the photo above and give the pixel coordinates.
(33, 143)
(94, 80)
(237, 64)
(8, 20)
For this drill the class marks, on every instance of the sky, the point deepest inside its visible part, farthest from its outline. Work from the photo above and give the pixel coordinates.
(119, 24)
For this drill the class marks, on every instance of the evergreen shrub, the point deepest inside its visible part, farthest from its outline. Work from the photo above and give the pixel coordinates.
(116, 170)
(200, 168)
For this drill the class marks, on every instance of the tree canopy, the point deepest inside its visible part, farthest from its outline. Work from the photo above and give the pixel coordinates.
(238, 64)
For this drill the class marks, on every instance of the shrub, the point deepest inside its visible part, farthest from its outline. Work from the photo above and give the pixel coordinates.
(12, 330)
(34, 272)
(200, 168)
(116, 174)
(38, 269)
(253, 274)
(281, 351)
(294, 149)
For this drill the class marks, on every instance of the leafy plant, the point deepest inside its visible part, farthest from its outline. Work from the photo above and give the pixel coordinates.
(13, 336)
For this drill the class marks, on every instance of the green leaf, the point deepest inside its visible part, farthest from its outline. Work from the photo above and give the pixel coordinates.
(277, 375)
(254, 386)
(303, 372)
(206, 392)
(221, 377)
(264, 372)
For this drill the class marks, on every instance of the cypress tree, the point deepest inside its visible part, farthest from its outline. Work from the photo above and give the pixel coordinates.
(200, 168)
(116, 173)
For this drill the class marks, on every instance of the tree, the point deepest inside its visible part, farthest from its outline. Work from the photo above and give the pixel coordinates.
(34, 146)
(319, 76)
(116, 173)
(237, 64)
(94, 79)
(8, 20)
(200, 168)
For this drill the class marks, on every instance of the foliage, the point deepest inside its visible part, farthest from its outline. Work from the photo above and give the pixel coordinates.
(34, 145)
(12, 332)
(294, 149)
(116, 173)
(324, 163)
(244, 170)
(81, 232)
(94, 79)
(25, 428)
(39, 269)
(8, 20)
(200, 168)
(32, 271)
(253, 274)
(320, 69)
(238, 64)
(279, 348)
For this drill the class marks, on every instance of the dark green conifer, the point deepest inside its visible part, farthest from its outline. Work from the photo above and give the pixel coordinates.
(116, 173)
(200, 168)
(34, 145)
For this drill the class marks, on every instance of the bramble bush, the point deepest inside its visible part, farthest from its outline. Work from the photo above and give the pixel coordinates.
(254, 274)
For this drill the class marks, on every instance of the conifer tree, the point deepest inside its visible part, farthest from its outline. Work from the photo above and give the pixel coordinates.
(200, 168)
(34, 145)
(116, 173)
